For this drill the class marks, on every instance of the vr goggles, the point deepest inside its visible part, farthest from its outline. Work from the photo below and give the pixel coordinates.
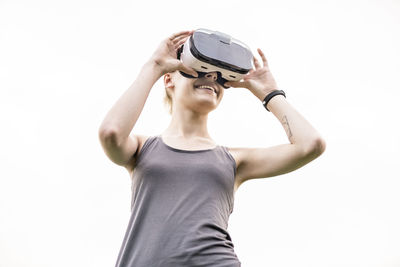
(212, 51)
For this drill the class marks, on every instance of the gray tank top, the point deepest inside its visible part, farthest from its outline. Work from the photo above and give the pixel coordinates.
(181, 202)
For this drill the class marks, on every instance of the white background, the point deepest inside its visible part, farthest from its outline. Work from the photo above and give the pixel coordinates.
(63, 64)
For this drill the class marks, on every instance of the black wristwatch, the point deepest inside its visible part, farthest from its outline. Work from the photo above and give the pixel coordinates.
(271, 95)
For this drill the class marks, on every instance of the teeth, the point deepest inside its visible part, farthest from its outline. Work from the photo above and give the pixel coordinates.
(207, 87)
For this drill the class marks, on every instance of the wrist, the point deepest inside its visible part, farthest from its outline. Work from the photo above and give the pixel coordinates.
(150, 73)
(155, 67)
(275, 101)
(260, 94)
(271, 95)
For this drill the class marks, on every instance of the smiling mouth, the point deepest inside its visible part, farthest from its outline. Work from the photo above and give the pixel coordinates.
(206, 87)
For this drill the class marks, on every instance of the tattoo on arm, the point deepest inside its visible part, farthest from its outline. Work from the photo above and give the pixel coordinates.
(286, 125)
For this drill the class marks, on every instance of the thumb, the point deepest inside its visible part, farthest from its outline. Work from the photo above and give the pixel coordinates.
(187, 70)
(234, 84)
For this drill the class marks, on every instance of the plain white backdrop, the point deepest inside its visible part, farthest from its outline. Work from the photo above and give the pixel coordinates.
(63, 64)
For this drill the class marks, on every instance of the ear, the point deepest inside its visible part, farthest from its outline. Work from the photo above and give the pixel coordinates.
(169, 80)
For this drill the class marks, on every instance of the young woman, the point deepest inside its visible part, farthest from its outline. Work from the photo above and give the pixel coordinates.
(183, 183)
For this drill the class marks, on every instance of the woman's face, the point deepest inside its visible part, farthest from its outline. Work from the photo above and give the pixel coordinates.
(198, 94)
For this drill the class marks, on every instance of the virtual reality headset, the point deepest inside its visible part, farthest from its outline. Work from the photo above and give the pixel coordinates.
(212, 51)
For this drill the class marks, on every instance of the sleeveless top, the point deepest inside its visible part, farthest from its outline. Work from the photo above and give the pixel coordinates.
(181, 202)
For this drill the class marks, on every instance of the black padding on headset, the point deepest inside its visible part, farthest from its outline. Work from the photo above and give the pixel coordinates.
(179, 52)
(220, 80)
(201, 74)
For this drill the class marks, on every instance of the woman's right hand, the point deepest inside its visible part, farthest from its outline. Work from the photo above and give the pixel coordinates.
(165, 57)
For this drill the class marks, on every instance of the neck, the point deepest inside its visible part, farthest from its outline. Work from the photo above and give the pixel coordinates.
(188, 124)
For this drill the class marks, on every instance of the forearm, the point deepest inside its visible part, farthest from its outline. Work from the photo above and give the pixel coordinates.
(298, 130)
(123, 115)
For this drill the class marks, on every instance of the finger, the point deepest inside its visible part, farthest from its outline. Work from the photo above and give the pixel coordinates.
(264, 59)
(173, 36)
(180, 38)
(256, 63)
(234, 84)
(181, 42)
(247, 76)
(187, 70)
(182, 35)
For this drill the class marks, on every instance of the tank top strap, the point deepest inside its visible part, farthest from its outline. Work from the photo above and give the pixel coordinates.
(150, 141)
(229, 155)
(155, 140)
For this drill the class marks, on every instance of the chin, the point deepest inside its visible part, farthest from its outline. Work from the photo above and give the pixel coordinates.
(204, 106)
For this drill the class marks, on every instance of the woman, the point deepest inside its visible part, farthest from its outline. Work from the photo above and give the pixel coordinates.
(183, 183)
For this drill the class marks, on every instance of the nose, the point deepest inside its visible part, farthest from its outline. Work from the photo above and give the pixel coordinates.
(212, 75)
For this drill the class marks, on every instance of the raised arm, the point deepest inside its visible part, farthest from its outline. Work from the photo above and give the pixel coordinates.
(114, 132)
(305, 144)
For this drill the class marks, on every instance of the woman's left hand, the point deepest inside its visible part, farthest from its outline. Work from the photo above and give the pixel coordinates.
(259, 80)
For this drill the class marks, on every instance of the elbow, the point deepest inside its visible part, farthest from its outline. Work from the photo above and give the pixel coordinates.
(108, 136)
(320, 145)
(316, 147)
